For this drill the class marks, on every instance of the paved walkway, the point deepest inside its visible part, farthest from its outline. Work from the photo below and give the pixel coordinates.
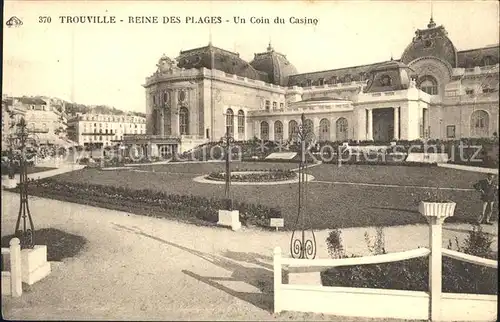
(63, 168)
(141, 268)
(468, 168)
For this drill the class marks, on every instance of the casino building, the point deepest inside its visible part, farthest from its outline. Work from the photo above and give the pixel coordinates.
(432, 91)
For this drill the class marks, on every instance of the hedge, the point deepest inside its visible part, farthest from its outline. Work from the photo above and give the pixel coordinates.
(148, 202)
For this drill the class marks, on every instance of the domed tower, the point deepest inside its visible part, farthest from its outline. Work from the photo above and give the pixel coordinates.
(275, 65)
(389, 76)
(433, 42)
(432, 56)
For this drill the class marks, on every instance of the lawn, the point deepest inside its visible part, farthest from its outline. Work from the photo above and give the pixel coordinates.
(329, 205)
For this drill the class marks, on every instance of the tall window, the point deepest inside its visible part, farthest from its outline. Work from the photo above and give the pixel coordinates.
(479, 124)
(268, 105)
(241, 123)
(341, 129)
(324, 130)
(230, 121)
(183, 121)
(428, 84)
(293, 130)
(264, 130)
(275, 106)
(278, 131)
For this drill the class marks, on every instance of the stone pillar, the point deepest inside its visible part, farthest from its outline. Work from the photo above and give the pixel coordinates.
(369, 120)
(271, 130)
(15, 268)
(396, 123)
(285, 130)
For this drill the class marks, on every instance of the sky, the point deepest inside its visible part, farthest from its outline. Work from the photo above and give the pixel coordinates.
(107, 63)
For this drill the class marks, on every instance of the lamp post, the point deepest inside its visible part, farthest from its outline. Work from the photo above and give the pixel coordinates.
(26, 234)
(301, 246)
(227, 141)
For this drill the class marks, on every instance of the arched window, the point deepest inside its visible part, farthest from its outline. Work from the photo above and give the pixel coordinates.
(324, 130)
(264, 130)
(487, 60)
(241, 123)
(293, 130)
(230, 121)
(183, 121)
(428, 84)
(278, 131)
(155, 122)
(479, 124)
(341, 129)
(166, 98)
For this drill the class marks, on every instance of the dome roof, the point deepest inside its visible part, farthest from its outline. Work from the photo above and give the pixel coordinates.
(391, 64)
(275, 65)
(389, 76)
(212, 57)
(432, 41)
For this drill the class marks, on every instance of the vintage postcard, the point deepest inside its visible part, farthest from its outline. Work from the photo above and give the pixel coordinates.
(250, 160)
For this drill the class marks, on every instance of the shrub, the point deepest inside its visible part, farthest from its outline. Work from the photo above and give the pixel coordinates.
(413, 274)
(376, 247)
(334, 244)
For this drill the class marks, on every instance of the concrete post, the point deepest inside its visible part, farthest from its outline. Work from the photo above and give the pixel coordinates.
(277, 279)
(435, 266)
(15, 268)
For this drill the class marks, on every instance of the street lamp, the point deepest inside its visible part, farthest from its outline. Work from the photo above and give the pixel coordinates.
(300, 246)
(227, 141)
(23, 139)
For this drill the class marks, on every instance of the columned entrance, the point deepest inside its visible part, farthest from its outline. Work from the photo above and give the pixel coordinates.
(385, 125)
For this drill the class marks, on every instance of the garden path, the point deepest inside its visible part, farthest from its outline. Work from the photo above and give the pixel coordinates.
(142, 268)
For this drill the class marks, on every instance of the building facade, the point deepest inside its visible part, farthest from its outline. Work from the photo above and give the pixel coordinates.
(432, 91)
(12, 112)
(46, 119)
(104, 130)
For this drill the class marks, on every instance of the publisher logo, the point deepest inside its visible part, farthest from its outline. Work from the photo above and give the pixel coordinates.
(14, 22)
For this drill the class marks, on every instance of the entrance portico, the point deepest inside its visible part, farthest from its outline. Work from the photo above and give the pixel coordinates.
(383, 124)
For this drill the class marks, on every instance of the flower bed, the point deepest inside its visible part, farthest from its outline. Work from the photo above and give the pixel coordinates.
(188, 208)
(254, 175)
(413, 275)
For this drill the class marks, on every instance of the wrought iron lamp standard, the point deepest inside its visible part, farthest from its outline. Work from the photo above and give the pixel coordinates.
(23, 138)
(301, 246)
(227, 142)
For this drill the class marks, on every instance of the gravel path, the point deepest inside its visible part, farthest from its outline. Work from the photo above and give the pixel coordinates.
(141, 268)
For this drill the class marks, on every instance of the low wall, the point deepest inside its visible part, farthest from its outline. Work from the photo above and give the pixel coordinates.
(427, 157)
(308, 295)
(355, 302)
(469, 307)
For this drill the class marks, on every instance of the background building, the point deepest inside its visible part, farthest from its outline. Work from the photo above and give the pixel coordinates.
(10, 107)
(104, 129)
(433, 91)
